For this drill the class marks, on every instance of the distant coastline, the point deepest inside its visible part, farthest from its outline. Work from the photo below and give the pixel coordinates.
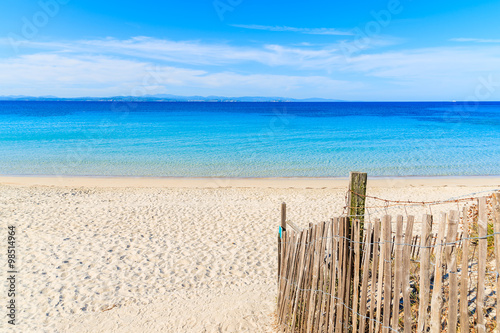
(217, 99)
(165, 98)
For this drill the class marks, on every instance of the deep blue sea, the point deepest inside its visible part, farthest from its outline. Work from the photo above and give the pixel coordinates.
(249, 139)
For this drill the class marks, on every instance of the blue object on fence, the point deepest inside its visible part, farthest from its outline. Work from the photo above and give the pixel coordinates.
(280, 232)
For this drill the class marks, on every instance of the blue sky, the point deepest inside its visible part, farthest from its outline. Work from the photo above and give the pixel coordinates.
(361, 50)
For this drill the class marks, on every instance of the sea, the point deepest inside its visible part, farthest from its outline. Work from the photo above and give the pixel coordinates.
(255, 139)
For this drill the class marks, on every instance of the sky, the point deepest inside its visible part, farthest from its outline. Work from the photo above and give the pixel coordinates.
(395, 50)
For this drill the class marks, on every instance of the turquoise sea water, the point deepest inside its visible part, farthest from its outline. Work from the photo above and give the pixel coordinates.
(249, 139)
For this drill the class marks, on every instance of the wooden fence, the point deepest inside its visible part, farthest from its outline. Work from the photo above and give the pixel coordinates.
(398, 275)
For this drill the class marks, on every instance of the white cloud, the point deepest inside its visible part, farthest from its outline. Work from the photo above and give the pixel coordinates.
(475, 40)
(121, 67)
(428, 63)
(194, 53)
(309, 31)
(68, 75)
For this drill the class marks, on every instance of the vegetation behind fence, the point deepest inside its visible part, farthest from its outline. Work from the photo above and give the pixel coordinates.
(385, 275)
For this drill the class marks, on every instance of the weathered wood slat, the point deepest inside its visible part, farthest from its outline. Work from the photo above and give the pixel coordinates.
(334, 274)
(452, 271)
(381, 267)
(408, 323)
(283, 280)
(349, 261)
(317, 286)
(314, 280)
(374, 302)
(357, 256)
(425, 242)
(437, 291)
(387, 274)
(324, 279)
(308, 268)
(464, 277)
(482, 229)
(366, 275)
(292, 245)
(302, 255)
(293, 226)
(398, 275)
(318, 321)
(330, 286)
(295, 241)
(341, 267)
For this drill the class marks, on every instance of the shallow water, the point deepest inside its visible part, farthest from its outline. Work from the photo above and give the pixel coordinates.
(249, 139)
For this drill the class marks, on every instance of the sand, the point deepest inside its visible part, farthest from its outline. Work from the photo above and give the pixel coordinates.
(171, 254)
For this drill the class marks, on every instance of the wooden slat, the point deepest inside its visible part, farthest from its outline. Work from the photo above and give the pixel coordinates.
(374, 279)
(284, 281)
(323, 278)
(291, 283)
(464, 277)
(406, 275)
(437, 291)
(319, 318)
(301, 258)
(331, 278)
(314, 281)
(318, 286)
(293, 226)
(482, 229)
(381, 267)
(355, 285)
(452, 270)
(364, 280)
(292, 245)
(306, 280)
(398, 276)
(424, 273)
(348, 279)
(387, 274)
(333, 270)
(308, 273)
(309, 267)
(496, 228)
(341, 277)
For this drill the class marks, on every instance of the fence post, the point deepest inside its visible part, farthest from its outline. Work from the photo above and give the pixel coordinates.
(283, 217)
(281, 234)
(356, 196)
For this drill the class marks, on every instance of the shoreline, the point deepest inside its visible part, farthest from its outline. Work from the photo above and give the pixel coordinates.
(271, 182)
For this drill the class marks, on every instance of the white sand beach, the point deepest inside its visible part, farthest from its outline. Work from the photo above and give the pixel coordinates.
(171, 254)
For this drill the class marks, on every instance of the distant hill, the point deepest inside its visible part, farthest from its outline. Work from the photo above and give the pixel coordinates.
(167, 98)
